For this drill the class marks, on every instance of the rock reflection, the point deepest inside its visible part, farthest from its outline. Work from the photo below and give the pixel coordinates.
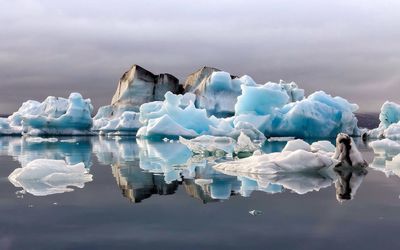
(348, 181)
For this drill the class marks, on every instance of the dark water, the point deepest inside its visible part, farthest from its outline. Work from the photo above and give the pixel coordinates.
(125, 207)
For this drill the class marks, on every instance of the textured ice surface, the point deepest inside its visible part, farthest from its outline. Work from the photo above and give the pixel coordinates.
(218, 145)
(272, 109)
(294, 145)
(218, 94)
(268, 108)
(273, 163)
(385, 147)
(389, 126)
(44, 177)
(326, 146)
(55, 115)
(207, 144)
(126, 124)
(6, 129)
(177, 116)
(296, 156)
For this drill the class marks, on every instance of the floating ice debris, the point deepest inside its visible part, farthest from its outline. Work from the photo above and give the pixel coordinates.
(44, 177)
(272, 139)
(296, 144)
(325, 146)
(255, 212)
(207, 144)
(69, 141)
(245, 145)
(40, 139)
(385, 147)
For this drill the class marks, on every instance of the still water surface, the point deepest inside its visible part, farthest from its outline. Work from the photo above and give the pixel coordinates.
(148, 195)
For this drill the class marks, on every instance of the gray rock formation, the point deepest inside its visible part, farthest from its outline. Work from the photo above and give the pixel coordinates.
(138, 86)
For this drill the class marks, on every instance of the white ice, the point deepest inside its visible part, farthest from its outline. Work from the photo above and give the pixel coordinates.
(44, 177)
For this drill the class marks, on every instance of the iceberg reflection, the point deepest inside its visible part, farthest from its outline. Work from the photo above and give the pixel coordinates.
(144, 168)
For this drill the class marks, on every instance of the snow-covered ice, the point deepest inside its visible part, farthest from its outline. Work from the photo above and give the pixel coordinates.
(44, 177)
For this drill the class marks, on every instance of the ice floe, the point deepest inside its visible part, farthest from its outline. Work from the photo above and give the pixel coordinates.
(44, 177)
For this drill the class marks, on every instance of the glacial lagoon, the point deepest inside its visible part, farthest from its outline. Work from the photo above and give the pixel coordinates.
(157, 195)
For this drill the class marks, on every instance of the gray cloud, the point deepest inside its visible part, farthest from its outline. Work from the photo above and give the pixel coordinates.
(351, 49)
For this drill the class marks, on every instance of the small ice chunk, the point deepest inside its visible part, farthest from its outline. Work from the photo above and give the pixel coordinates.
(296, 144)
(255, 212)
(325, 146)
(385, 146)
(272, 139)
(209, 144)
(245, 145)
(40, 139)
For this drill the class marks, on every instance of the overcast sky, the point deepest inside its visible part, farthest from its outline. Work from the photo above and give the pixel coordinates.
(347, 48)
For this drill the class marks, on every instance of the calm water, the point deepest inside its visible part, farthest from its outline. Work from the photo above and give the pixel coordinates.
(144, 195)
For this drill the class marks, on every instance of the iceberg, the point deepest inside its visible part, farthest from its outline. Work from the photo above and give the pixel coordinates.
(169, 119)
(6, 129)
(269, 109)
(389, 126)
(43, 177)
(299, 156)
(274, 163)
(54, 116)
(272, 110)
(218, 93)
